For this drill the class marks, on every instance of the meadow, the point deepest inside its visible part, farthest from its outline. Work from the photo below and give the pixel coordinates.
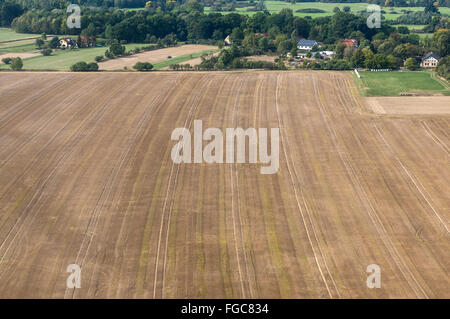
(7, 34)
(61, 60)
(182, 58)
(276, 6)
(394, 83)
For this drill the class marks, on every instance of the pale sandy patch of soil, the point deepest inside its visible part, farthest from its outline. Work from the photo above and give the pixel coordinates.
(410, 105)
(153, 56)
(22, 55)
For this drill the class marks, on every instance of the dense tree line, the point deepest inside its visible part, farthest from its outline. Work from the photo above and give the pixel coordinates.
(8, 12)
(189, 23)
(261, 33)
(388, 3)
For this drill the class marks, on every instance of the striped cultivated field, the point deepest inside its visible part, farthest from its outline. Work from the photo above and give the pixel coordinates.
(86, 178)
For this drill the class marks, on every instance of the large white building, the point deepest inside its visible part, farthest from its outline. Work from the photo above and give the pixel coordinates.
(430, 60)
(306, 44)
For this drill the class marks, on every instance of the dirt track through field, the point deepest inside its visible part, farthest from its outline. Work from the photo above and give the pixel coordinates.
(153, 56)
(86, 178)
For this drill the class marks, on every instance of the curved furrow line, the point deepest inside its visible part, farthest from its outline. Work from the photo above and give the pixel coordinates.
(172, 201)
(363, 197)
(16, 85)
(289, 161)
(43, 149)
(17, 111)
(235, 180)
(413, 178)
(112, 176)
(435, 138)
(189, 119)
(46, 123)
(313, 227)
(38, 193)
(122, 238)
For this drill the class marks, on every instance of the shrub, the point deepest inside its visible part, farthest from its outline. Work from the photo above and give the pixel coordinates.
(99, 58)
(109, 55)
(54, 42)
(46, 52)
(79, 67)
(117, 49)
(39, 43)
(410, 63)
(6, 60)
(310, 10)
(84, 67)
(92, 67)
(16, 64)
(443, 67)
(143, 66)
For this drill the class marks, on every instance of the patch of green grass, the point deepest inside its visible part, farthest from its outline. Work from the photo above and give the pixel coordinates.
(411, 27)
(61, 60)
(394, 83)
(181, 58)
(18, 48)
(423, 35)
(276, 6)
(7, 34)
(359, 84)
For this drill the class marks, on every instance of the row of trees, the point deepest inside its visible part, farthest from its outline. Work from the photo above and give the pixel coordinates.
(387, 3)
(84, 67)
(188, 22)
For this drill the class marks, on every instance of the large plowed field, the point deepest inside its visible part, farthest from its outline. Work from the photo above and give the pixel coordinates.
(86, 178)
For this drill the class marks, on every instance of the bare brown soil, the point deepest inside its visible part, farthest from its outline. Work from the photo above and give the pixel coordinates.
(86, 178)
(192, 62)
(153, 56)
(266, 58)
(410, 105)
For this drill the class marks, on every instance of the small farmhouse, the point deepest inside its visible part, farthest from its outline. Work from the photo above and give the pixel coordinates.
(351, 43)
(430, 60)
(306, 44)
(67, 43)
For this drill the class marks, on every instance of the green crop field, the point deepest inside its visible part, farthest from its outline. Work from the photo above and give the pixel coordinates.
(394, 83)
(411, 27)
(61, 60)
(423, 35)
(276, 6)
(18, 43)
(181, 59)
(18, 46)
(7, 34)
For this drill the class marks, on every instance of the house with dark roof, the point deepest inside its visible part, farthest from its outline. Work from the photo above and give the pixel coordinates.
(430, 60)
(304, 44)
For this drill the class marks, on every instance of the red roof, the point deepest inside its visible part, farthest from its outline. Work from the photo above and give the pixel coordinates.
(349, 42)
